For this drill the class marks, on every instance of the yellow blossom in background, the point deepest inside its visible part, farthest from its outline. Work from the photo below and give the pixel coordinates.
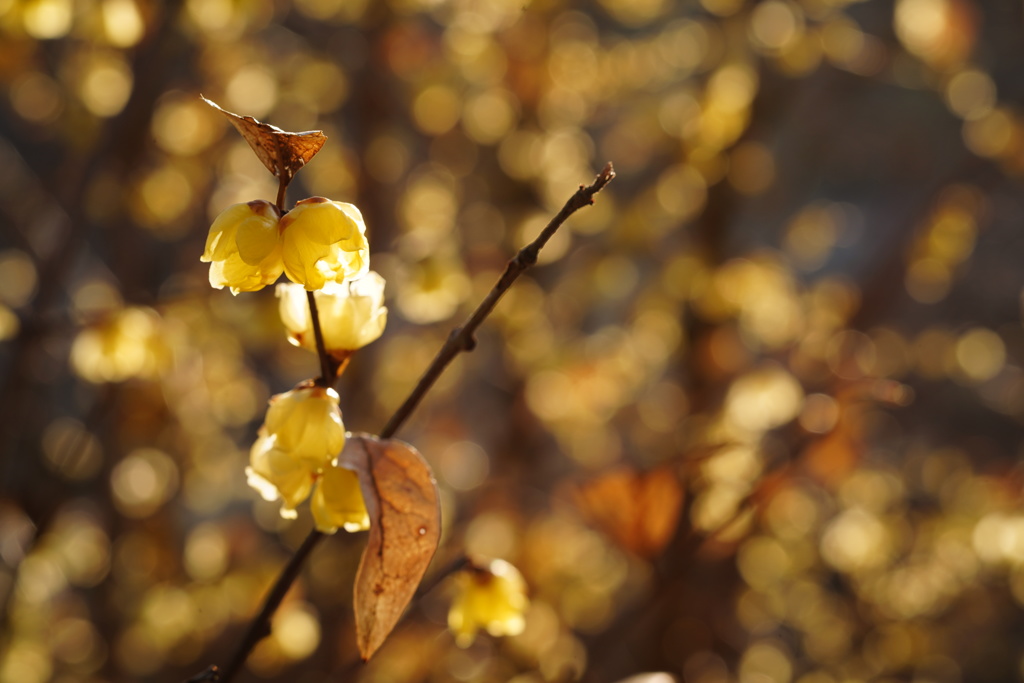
(492, 598)
(275, 474)
(243, 247)
(318, 241)
(127, 344)
(306, 424)
(338, 502)
(352, 314)
(323, 240)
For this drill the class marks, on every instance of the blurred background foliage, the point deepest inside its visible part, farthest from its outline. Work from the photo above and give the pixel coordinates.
(756, 415)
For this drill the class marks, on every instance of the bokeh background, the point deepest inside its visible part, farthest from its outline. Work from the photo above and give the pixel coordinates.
(755, 417)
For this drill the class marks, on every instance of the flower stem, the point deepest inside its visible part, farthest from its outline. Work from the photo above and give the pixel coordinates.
(326, 375)
(282, 188)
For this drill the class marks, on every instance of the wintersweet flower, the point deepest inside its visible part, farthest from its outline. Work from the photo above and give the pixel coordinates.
(352, 314)
(251, 244)
(306, 424)
(324, 240)
(338, 502)
(275, 474)
(491, 597)
(243, 247)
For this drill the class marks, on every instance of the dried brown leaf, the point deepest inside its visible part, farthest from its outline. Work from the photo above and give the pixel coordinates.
(405, 527)
(283, 153)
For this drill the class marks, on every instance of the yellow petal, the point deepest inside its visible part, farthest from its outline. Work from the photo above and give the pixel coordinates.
(323, 240)
(275, 474)
(221, 238)
(338, 502)
(319, 220)
(353, 213)
(307, 424)
(300, 257)
(239, 276)
(242, 247)
(257, 239)
(352, 314)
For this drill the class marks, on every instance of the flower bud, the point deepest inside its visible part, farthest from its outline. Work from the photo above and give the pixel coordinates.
(338, 502)
(306, 423)
(491, 597)
(275, 474)
(244, 248)
(323, 240)
(352, 314)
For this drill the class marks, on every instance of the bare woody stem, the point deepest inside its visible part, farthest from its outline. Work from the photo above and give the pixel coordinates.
(259, 627)
(282, 188)
(326, 374)
(461, 339)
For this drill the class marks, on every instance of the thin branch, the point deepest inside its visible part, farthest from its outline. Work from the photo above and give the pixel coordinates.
(259, 628)
(461, 339)
(326, 374)
(458, 564)
(282, 188)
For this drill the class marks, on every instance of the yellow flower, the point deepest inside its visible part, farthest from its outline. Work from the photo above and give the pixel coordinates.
(352, 314)
(306, 424)
(322, 240)
(243, 247)
(338, 502)
(277, 475)
(127, 344)
(492, 598)
(250, 245)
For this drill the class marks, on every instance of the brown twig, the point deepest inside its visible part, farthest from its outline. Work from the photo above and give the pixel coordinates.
(259, 628)
(456, 565)
(282, 188)
(461, 339)
(326, 374)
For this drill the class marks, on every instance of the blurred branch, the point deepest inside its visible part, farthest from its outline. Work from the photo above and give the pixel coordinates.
(456, 565)
(460, 340)
(118, 145)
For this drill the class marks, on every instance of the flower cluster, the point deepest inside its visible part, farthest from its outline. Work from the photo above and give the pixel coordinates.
(317, 242)
(333, 306)
(492, 597)
(297, 449)
(321, 246)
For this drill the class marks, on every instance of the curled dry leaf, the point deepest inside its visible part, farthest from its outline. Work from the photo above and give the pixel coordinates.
(405, 527)
(639, 511)
(283, 153)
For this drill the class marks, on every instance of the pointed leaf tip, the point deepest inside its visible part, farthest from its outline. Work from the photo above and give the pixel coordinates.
(283, 153)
